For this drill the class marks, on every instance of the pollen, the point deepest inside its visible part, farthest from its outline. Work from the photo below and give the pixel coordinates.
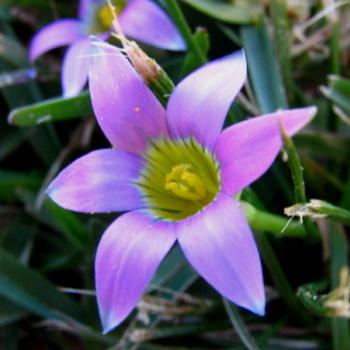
(185, 183)
(105, 16)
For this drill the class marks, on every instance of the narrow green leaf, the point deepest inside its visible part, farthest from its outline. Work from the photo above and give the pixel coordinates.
(179, 19)
(174, 272)
(339, 259)
(339, 83)
(45, 141)
(17, 239)
(52, 110)
(324, 144)
(10, 312)
(239, 13)
(32, 291)
(10, 181)
(279, 14)
(12, 52)
(239, 326)
(191, 63)
(56, 217)
(67, 222)
(272, 263)
(310, 295)
(337, 97)
(9, 141)
(263, 68)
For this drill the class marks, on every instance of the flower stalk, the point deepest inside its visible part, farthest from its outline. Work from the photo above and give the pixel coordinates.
(317, 208)
(181, 23)
(150, 71)
(298, 179)
(262, 221)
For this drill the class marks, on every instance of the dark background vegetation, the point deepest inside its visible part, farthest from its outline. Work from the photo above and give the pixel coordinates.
(46, 253)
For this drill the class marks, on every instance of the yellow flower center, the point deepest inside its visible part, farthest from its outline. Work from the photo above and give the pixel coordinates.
(185, 183)
(179, 178)
(105, 15)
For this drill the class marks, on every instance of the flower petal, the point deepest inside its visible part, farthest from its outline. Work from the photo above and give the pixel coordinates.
(126, 259)
(145, 21)
(101, 181)
(199, 104)
(246, 150)
(86, 7)
(220, 246)
(56, 34)
(127, 111)
(75, 68)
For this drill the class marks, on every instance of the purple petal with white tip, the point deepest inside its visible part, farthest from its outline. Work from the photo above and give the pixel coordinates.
(199, 104)
(101, 181)
(75, 68)
(127, 256)
(220, 246)
(127, 111)
(60, 33)
(145, 21)
(247, 149)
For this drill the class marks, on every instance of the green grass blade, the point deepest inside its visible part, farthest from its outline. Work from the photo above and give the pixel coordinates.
(10, 312)
(229, 13)
(11, 181)
(339, 259)
(32, 291)
(239, 326)
(279, 14)
(52, 110)
(263, 68)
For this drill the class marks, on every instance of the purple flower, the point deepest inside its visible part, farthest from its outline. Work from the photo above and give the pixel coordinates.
(177, 172)
(139, 19)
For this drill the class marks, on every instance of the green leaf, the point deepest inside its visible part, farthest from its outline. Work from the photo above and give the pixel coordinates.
(56, 217)
(240, 13)
(52, 110)
(324, 144)
(339, 259)
(10, 141)
(263, 68)
(67, 222)
(191, 62)
(338, 91)
(282, 36)
(10, 312)
(310, 295)
(32, 291)
(10, 181)
(12, 52)
(239, 326)
(174, 272)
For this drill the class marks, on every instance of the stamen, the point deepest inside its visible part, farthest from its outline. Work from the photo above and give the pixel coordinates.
(106, 17)
(185, 183)
(108, 12)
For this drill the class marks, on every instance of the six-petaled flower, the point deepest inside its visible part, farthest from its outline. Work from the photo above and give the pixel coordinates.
(140, 19)
(177, 173)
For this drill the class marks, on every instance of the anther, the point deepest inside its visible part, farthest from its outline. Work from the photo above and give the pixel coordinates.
(185, 183)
